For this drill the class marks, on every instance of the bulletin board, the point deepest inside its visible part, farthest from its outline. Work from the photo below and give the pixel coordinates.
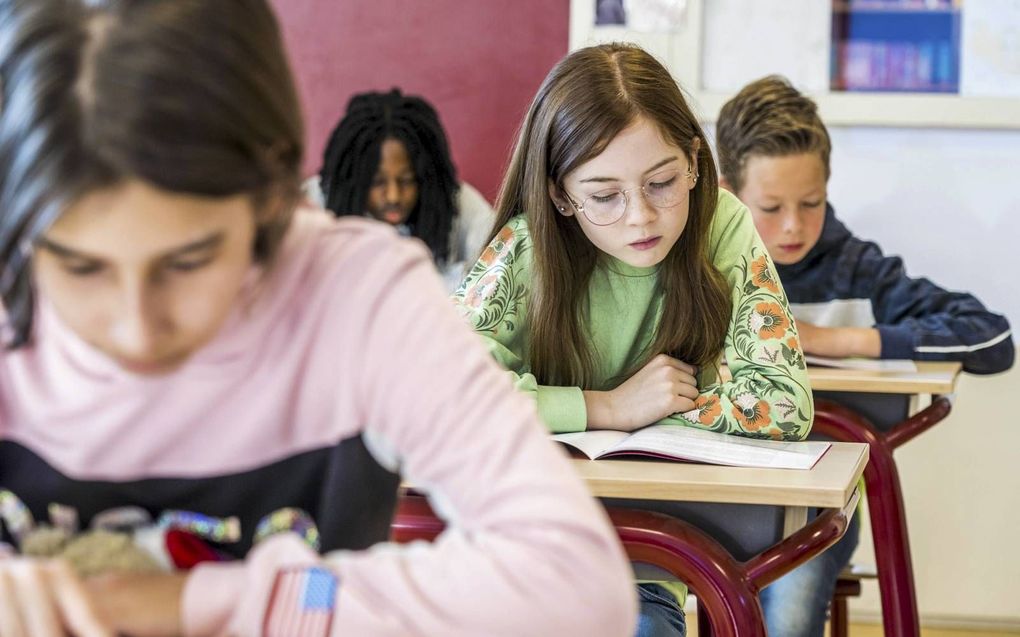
(714, 47)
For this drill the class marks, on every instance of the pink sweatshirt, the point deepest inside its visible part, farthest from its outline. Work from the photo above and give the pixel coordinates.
(342, 367)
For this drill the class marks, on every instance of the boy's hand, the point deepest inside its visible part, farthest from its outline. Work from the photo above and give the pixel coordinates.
(812, 337)
(839, 342)
(664, 386)
(46, 599)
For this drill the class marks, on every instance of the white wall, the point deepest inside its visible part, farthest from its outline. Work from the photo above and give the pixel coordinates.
(960, 483)
(948, 202)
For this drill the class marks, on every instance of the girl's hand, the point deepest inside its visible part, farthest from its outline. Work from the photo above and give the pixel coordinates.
(45, 599)
(664, 386)
(139, 605)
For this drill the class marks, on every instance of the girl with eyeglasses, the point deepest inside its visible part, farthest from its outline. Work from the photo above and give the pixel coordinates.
(618, 274)
(182, 341)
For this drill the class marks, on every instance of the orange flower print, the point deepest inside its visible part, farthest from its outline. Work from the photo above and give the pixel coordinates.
(498, 247)
(751, 413)
(762, 276)
(792, 343)
(768, 320)
(708, 409)
(480, 291)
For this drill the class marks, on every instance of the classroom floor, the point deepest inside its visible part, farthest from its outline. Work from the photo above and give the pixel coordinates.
(874, 630)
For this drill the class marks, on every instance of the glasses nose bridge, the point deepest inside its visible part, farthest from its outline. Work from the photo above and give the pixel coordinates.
(645, 209)
(626, 196)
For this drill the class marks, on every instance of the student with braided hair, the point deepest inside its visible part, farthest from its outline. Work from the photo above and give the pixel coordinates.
(388, 158)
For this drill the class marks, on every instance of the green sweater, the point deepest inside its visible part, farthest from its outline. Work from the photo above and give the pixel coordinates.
(768, 395)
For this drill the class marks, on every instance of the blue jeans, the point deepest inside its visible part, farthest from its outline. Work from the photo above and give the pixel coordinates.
(659, 615)
(795, 604)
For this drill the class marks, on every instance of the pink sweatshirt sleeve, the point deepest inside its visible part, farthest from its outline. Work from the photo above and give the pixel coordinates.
(527, 551)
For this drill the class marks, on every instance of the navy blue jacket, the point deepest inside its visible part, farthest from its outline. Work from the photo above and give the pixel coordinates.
(846, 282)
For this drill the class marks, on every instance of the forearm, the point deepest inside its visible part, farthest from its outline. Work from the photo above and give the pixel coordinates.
(981, 343)
(841, 342)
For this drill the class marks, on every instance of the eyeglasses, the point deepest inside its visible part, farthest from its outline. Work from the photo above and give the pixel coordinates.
(661, 190)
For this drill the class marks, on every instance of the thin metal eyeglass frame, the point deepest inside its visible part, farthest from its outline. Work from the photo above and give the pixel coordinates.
(626, 199)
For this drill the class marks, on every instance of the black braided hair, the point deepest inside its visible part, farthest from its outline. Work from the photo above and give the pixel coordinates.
(351, 159)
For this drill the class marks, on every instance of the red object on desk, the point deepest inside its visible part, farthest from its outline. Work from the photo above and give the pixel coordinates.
(187, 549)
(727, 590)
(885, 502)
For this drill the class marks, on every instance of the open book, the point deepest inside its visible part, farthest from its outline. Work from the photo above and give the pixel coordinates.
(868, 364)
(676, 442)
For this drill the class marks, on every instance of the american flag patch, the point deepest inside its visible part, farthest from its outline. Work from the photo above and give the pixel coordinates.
(301, 604)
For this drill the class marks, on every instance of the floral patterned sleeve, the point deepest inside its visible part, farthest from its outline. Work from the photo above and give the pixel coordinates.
(493, 299)
(769, 395)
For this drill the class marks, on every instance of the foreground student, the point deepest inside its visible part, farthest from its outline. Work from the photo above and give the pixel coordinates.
(181, 342)
(849, 299)
(619, 274)
(388, 158)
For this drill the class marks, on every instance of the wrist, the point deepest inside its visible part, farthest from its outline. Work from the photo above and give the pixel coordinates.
(211, 593)
(599, 408)
(144, 605)
(866, 342)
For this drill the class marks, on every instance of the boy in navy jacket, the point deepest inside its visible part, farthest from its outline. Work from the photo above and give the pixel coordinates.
(847, 297)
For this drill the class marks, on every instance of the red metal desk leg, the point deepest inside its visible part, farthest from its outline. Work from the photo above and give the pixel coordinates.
(885, 503)
(727, 590)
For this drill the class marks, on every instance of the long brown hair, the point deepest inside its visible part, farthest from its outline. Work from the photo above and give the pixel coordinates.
(191, 96)
(585, 101)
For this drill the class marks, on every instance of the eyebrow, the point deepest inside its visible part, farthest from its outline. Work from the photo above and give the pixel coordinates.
(814, 194)
(207, 243)
(653, 168)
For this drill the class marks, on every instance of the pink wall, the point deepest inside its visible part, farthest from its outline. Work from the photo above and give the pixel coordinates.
(478, 61)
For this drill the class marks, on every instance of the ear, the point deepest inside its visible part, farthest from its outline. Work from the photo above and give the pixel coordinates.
(271, 208)
(559, 200)
(695, 148)
(695, 151)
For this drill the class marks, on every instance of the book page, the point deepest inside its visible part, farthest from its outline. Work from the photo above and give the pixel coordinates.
(714, 448)
(591, 443)
(866, 364)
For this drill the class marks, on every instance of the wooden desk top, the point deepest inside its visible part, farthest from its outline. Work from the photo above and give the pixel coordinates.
(829, 484)
(930, 378)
